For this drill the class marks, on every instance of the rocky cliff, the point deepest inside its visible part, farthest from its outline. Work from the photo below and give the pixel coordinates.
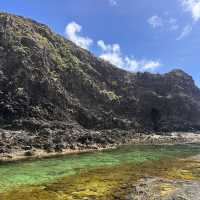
(54, 94)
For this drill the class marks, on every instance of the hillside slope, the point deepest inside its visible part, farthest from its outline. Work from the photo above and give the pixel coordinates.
(55, 94)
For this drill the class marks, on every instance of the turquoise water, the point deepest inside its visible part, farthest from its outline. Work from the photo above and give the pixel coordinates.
(37, 172)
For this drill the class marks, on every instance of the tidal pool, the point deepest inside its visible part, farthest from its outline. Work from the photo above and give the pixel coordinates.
(98, 175)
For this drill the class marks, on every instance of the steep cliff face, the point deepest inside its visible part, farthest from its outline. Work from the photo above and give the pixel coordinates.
(48, 84)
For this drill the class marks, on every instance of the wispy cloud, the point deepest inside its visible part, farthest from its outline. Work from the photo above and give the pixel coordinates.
(72, 31)
(172, 24)
(167, 23)
(155, 21)
(186, 31)
(112, 53)
(192, 6)
(113, 2)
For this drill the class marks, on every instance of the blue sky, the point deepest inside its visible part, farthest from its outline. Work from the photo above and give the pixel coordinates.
(137, 35)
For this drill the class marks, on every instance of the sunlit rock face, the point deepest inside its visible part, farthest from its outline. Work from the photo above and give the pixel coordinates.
(56, 93)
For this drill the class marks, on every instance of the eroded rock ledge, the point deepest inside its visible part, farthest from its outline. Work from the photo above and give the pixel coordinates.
(15, 147)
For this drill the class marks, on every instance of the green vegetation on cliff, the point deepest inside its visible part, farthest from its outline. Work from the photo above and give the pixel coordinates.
(50, 88)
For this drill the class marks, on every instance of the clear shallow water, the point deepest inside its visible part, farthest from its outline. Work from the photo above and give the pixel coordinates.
(46, 170)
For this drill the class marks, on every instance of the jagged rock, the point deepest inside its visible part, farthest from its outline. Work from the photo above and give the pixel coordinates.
(51, 88)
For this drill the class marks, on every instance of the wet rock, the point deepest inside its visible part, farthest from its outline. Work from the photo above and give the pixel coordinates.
(29, 153)
(164, 189)
(27, 148)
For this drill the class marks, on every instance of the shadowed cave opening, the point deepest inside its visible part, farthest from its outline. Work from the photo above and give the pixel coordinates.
(155, 116)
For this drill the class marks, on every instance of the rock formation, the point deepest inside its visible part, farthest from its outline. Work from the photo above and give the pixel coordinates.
(54, 94)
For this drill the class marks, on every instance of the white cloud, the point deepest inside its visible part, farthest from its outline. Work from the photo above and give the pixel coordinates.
(109, 47)
(186, 31)
(163, 22)
(72, 30)
(113, 2)
(155, 21)
(151, 65)
(112, 53)
(172, 24)
(192, 6)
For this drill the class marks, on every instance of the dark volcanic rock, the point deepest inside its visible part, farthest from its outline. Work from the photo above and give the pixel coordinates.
(51, 88)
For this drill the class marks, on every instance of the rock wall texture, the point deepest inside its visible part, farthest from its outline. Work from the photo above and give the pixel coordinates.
(49, 86)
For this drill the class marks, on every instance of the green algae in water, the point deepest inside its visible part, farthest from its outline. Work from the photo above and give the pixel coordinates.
(47, 171)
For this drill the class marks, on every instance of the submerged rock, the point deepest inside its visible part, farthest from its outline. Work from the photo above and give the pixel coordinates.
(163, 189)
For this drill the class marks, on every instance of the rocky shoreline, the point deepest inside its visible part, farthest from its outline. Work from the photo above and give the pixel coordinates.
(163, 189)
(13, 147)
(56, 97)
(184, 185)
